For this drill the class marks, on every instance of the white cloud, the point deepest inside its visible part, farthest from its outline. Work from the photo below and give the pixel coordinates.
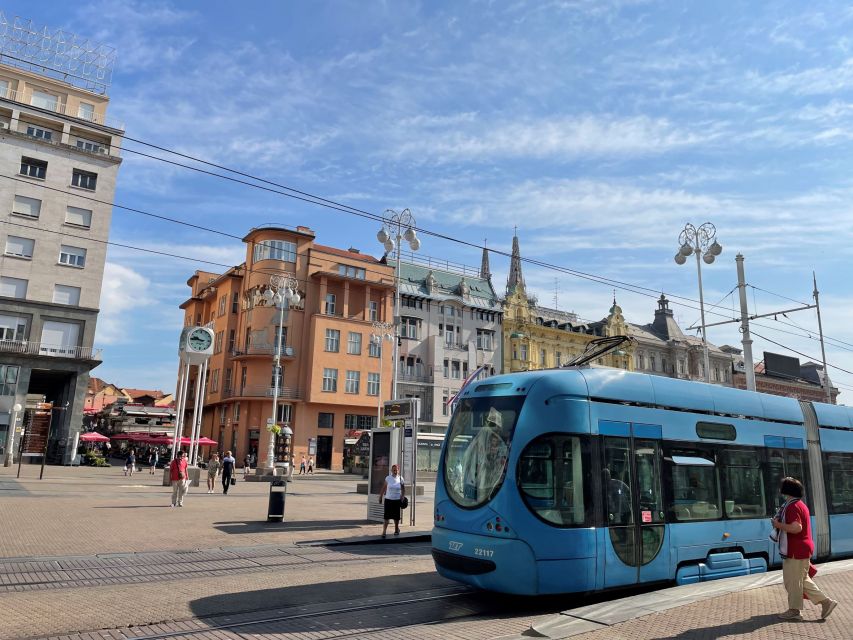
(124, 293)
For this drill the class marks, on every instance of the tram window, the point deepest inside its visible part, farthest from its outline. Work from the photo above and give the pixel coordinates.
(617, 481)
(839, 482)
(716, 431)
(550, 478)
(744, 485)
(696, 495)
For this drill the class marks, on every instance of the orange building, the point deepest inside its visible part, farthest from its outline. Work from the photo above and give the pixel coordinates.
(333, 376)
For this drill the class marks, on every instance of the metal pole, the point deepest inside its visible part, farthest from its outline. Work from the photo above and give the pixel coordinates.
(702, 313)
(198, 414)
(21, 450)
(181, 409)
(198, 377)
(379, 399)
(396, 354)
(744, 324)
(277, 377)
(46, 443)
(822, 348)
(10, 437)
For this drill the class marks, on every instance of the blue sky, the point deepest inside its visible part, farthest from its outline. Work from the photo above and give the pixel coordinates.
(598, 127)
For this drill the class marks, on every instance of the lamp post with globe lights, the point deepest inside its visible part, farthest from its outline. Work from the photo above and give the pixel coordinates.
(702, 242)
(381, 332)
(282, 292)
(396, 227)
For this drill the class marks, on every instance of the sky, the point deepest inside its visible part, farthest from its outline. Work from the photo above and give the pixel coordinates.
(598, 128)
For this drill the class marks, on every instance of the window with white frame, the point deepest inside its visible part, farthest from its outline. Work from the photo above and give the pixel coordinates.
(354, 343)
(44, 100)
(84, 179)
(13, 328)
(456, 369)
(13, 287)
(214, 381)
(373, 384)
(236, 412)
(86, 111)
(485, 339)
(89, 145)
(409, 327)
(558, 359)
(8, 379)
(373, 310)
(445, 402)
(19, 247)
(66, 294)
(446, 368)
(330, 380)
(72, 256)
(682, 366)
(275, 250)
(353, 381)
(4, 88)
(59, 338)
(351, 272)
(333, 340)
(78, 217)
(375, 349)
(33, 168)
(223, 413)
(543, 358)
(653, 365)
(330, 304)
(39, 133)
(24, 206)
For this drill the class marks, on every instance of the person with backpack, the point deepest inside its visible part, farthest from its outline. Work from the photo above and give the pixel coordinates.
(796, 548)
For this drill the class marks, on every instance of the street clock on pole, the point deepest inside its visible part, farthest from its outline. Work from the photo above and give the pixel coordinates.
(196, 345)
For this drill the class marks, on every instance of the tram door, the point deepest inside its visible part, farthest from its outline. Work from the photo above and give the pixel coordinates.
(635, 542)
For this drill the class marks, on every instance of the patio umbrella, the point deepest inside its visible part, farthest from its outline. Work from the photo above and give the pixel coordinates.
(206, 442)
(93, 437)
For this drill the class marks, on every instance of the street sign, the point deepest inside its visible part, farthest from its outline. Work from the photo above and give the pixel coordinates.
(400, 409)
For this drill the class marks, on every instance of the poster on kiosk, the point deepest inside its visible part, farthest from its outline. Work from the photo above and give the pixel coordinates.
(394, 443)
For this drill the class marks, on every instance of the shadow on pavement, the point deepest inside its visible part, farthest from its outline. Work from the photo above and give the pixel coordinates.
(238, 527)
(743, 628)
(133, 506)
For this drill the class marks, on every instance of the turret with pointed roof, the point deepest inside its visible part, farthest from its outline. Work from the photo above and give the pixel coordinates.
(515, 282)
(485, 272)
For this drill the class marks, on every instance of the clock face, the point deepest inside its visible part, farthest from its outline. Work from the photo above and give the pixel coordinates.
(199, 340)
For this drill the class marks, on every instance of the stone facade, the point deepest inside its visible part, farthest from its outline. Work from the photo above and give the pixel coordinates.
(53, 246)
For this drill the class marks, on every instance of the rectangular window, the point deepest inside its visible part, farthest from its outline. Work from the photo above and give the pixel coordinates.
(86, 111)
(38, 132)
(214, 381)
(23, 206)
(78, 217)
(558, 359)
(223, 300)
(743, 484)
(839, 482)
(409, 327)
(226, 384)
(524, 352)
(694, 486)
(235, 302)
(373, 311)
(446, 368)
(13, 287)
(12, 328)
(330, 380)
(275, 250)
(33, 168)
(373, 384)
(44, 100)
(484, 339)
(375, 349)
(19, 247)
(232, 338)
(65, 294)
(456, 369)
(354, 343)
(330, 304)
(59, 338)
(4, 88)
(88, 145)
(217, 341)
(84, 179)
(653, 365)
(445, 402)
(353, 381)
(542, 358)
(223, 412)
(72, 256)
(333, 340)
(325, 420)
(237, 412)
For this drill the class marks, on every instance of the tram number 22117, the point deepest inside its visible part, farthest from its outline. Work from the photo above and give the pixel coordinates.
(485, 553)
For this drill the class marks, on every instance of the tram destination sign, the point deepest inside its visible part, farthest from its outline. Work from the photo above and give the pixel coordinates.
(400, 409)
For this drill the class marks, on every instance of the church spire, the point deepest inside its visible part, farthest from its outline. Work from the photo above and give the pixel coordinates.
(515, 282)
(485, 272)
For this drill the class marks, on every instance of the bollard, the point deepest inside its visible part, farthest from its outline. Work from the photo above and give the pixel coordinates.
(278, 491)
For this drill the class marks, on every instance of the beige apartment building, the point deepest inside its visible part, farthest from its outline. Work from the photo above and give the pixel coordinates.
(59, 157)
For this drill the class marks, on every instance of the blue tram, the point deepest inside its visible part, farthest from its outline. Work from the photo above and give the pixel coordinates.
(584, 479)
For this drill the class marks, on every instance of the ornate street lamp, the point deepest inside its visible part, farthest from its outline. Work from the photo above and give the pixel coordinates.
(381, 331)
(702, 242)
(282, 292)
(396, 227)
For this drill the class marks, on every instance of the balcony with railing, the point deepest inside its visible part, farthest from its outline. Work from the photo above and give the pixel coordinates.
(263, 350)
(25, 97)
(261, 391)
(423, 377)
(27, 348)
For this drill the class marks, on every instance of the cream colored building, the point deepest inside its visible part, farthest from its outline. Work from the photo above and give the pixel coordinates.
(59, 157)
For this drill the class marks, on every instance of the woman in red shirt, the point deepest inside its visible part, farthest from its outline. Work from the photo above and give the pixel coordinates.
(796, 548)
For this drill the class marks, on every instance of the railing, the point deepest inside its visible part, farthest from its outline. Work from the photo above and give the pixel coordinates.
(263, 350)
(261, 391)
(412, 377)
(26, 97)
(456, 347)
(27, 348)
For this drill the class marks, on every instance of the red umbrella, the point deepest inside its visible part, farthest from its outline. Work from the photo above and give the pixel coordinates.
(206, 442)
(93, 437)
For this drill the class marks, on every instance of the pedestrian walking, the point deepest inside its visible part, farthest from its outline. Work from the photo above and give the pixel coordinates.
(302, 466)
(153, 459)
(179, 478)
(247, 466)
(796, 548)
(311, 465)
(214, 467)
(130, 462)
(228, 465)
(393, 490)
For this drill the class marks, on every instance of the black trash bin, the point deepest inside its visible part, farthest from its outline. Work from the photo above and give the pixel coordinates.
(278, 491)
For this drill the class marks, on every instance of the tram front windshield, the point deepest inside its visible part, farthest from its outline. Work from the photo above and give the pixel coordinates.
(478, 441)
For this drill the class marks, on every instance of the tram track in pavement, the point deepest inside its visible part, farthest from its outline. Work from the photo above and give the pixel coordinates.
(33, 574)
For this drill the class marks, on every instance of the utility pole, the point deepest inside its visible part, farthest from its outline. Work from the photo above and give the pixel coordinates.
(828, 387)
(744, 325)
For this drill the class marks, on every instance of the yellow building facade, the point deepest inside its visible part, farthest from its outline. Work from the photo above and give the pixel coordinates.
(537, 337)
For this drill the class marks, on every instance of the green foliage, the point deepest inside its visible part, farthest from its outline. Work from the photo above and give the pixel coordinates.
(93, 459)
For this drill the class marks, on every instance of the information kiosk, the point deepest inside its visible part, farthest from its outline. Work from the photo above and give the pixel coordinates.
(389, 445)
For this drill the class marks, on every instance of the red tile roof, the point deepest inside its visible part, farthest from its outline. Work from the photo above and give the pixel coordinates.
(137, 393)
(346, 254)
